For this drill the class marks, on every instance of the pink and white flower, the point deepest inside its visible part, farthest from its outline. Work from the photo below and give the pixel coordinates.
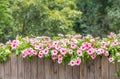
(63, 51)
(115, 42)
(40, 54)
(90, 51)
(72, 63)
(106, 53)
(93, 56)
(54, 52)
(45, 51)
(79, 52)
(111, 59)
(78, 61)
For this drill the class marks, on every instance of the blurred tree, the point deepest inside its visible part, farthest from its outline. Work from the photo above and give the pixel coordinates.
(44, 17)
(5, 20)
(99, 17)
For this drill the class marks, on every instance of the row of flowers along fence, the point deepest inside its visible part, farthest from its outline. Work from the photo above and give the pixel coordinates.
(69, 49)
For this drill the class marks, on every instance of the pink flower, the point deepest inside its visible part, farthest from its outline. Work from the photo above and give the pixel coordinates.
(59, 61)
(78, 61)
(70, 51)
(72, 63)
(57, 47)
(15, 44)
(106, 53)
(40, 54)
(79, 52)
(34, 52)
(115, 42)
(104, 44)
(93, 56)
(29, 51)
(54, 57)
(47, 39)
(49, 46)
(60, 57)
(63, 51)
(100, 51)
(111, 59)
(73, 45)
(90, 51)
(24, 54)
(74, 40)
(111, 35)
(83, 48)
(45, 51)
(55, 43)
(54, 52)
(40, 47)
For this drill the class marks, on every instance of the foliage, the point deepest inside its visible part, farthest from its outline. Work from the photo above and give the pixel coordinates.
(4, 52)
(99, 17)
(43, 18)
(5, 20)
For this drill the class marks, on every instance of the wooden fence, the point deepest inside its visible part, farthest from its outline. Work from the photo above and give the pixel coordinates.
(17, 68)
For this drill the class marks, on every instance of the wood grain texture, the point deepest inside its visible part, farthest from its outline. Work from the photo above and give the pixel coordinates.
(41, 69)
(55, 69)
(76, 72)
(7, 69)
(27, 69)
(117, 67)
(105, 68)
(69, 72)
(34, 68)
(2, 70)
(48, 69)
(111, 71)
(90, 69)
(14, 67)
(18, 68)
(98, 68)
(62, 72)
(83, 71)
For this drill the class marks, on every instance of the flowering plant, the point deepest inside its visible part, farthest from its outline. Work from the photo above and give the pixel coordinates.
(4, 52)
(71, 49)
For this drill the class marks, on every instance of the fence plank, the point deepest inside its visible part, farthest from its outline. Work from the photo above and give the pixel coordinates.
(117, 68)
(76, 72)
(34, 68)
(13, 66)
(69, 72)
(98, 68)
(83, 71)
(20, 68)
(7, 65)
(62, 71)
(55, 69)
(41, 69)
(48, 70)
(90, 69)
(111, 71)
(1, 70)
(104, 68)
(27, 69)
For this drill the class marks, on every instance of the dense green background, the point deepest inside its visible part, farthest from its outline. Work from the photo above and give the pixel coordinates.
(50, 17)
